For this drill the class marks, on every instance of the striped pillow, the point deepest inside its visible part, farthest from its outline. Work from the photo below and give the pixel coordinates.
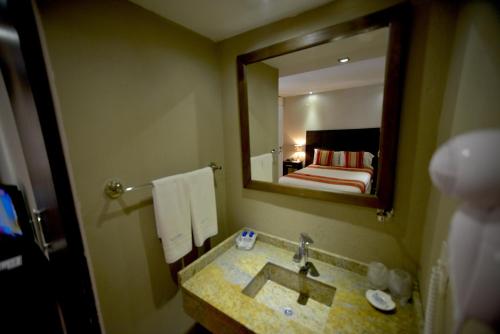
(368, 159)
(354, 159)
(323, 157)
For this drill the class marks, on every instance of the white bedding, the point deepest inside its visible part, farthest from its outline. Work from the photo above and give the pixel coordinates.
(322, 182)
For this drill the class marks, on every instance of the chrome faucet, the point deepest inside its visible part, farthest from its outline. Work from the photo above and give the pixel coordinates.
(302, 254)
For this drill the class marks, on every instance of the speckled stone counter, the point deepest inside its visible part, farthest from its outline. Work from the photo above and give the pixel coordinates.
(212, 289)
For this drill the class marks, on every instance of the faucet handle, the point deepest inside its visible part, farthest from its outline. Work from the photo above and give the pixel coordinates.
(304, 237)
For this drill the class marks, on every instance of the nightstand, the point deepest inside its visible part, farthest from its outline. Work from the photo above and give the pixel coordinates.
(291, 166)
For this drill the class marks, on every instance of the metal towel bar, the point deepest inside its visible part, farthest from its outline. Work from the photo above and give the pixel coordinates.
(114, 188)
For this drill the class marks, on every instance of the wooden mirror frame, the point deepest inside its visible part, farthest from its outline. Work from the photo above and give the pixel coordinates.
(397, 19)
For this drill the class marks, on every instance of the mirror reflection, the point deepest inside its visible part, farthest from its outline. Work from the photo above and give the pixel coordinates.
(315, 115)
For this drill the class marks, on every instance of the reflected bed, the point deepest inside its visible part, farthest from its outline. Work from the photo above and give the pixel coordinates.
(364, 139)
(333, 179)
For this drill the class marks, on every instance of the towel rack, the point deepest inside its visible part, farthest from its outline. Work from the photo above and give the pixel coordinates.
(114, 188)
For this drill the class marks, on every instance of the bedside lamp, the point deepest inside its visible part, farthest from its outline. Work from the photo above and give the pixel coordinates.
(299, 154)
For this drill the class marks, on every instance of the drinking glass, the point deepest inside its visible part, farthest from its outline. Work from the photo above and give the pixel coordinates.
(400, 285)
(378, 275)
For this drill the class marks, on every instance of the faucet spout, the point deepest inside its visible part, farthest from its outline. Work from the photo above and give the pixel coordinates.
(303, 254)
(311, 268)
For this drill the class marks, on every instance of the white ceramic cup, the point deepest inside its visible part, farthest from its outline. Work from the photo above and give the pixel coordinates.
(400, 285)
(378, 275)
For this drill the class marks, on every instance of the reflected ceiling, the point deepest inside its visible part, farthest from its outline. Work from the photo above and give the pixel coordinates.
(317, 69)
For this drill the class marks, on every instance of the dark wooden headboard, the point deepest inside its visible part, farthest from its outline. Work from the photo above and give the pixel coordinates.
(344, 140)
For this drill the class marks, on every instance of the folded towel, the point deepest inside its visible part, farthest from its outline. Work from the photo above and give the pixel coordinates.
(200, 185)
(173, 218)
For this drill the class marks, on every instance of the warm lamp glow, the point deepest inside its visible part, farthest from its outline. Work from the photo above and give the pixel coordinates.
(299, 142)
(299, 154)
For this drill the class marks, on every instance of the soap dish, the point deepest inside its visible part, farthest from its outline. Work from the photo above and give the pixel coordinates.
(380, 300)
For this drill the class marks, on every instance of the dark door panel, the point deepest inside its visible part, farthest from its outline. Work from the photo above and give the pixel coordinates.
(23, 67)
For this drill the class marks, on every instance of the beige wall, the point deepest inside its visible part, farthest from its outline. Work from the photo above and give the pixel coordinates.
(140, 99)
(470, 103)
(262, 81)
(349, 230)
(353, 108)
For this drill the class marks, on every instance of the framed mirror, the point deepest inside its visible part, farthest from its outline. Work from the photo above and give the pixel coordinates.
(319, 114)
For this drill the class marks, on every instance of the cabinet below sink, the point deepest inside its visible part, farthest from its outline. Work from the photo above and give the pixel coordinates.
(261, 291)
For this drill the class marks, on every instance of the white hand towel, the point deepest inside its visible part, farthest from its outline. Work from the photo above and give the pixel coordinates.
(173, 218)
(261, 167)
(200, 184)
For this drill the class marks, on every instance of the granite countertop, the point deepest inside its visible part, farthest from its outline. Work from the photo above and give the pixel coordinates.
(219, 277)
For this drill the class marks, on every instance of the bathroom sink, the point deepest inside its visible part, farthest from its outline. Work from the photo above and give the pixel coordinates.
(261, 291)
(273, 282)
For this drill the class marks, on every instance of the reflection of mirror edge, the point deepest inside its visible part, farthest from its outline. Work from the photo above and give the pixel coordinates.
(397, 18)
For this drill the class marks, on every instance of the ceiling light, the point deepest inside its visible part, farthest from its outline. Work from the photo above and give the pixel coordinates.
(310, 93)
(344, 60)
